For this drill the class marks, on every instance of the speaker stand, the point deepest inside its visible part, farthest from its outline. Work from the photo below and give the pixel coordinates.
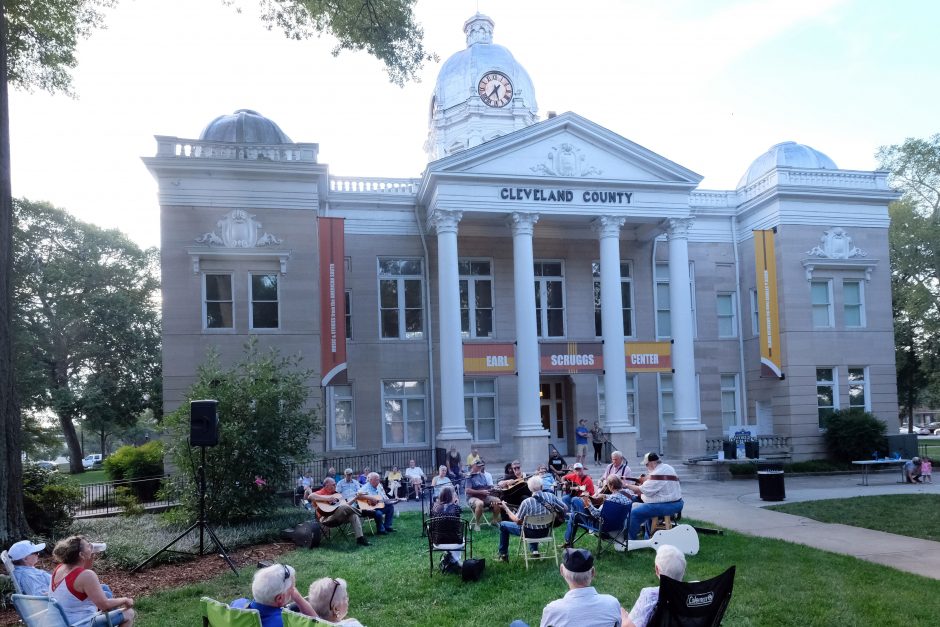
(200, 524)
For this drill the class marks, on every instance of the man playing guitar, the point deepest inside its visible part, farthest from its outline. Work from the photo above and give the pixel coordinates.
(333, 510)
(617, 466)
(578, 482)
(478, 494)
(372, 498)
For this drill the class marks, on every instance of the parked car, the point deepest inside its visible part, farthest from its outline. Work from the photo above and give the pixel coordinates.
(46, 465)
(933, 427)
(917, 430)
(92, 461)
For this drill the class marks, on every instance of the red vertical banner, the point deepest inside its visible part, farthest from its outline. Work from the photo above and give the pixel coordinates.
(332, 301)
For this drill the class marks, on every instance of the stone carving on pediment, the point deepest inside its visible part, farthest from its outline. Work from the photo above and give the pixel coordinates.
(238, 229)
(836, 244)
(566, 160)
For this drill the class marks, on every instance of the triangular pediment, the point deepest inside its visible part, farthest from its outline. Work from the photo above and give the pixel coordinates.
(567, 146)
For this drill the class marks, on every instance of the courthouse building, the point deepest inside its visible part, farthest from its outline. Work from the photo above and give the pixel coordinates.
(538, 272)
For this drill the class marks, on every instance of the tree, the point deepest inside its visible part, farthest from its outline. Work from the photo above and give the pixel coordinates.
(87, 337)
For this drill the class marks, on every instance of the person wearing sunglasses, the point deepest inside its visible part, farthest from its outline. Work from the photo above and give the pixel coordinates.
(329, 597)
(273, 588)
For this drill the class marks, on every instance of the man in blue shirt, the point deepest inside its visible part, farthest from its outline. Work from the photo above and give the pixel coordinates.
(581, 440)
(373, 493)
(274, 587)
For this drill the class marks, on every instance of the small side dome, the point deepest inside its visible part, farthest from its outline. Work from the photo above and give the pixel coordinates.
(786, 155)
(244, 127)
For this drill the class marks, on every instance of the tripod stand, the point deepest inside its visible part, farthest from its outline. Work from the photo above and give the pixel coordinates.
(201, 524)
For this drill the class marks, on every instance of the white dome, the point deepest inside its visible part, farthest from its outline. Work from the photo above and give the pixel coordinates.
(459, 76)
(244, 127)
(786, 155)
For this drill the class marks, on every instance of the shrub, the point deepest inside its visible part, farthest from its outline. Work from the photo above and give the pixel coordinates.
(137, 462)
(265, 425)
(50, 500)
(128, 502)
(854, 434)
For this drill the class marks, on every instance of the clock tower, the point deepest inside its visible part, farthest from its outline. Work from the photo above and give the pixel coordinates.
(481, 93)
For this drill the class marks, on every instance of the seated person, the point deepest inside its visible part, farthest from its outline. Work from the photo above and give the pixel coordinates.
(348, 486)
(912, 471)
(659, 495)
(77, 589)
(531, 506)
(329, 598)
(513, 473)
(577, 478)
(556, 464)
(32, 580)
(474, 456)
(617, 466)
(595, 514)
(364, 475)
(478, 494)
(331, 472)
(374, 493)
(440, 480)
(344, 513)
(582, 606)
(548, 479)
(393, 481)
(415, 475)
(446, 505)
(272, 588)
(304, 483)
(670, 562)
(454, 471)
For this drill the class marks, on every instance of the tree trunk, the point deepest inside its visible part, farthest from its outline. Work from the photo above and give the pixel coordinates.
(71, 441)
(13, 526)
(104, 440)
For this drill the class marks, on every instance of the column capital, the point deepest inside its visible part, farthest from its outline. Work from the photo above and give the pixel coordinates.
(607, 226)
(679, 228)
(522, 223)
(444, 220)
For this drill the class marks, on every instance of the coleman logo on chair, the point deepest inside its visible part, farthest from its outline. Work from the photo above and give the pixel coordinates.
(699, 600)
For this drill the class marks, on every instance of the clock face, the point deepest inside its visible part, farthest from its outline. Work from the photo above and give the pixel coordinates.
(495, 89)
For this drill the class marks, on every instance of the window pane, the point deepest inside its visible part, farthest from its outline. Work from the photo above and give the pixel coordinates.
(554, 294)
(662, 296)
(663, 324)
(824, 374)
(486, 407)
(598, 328)
(264, 315)
(857, 396)
(484, 293)
(464, 294)
(465, 321)
(218, 287)
(388, 294)
(552, 268)
(820, 293)
(415, 433)
(596, 269)
(219, 315)
(820, 316)
(556, 323)
(662, 271)
(486, 429)
(724, 305)
(824, 395)
(480, 268)
(264, 287)
(414, 323)
(463, 268)
(486, 386)
(853, 316)
(390, 323)
(484, 322)
(856, 374)
(412, 294)
(410, 266)
(852, 292)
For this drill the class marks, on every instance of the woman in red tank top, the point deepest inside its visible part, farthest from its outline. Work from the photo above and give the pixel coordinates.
(77, 589)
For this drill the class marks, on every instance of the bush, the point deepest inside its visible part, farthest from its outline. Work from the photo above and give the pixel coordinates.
(854, 434)
(127, 501)
(50, 500)
(132, 463)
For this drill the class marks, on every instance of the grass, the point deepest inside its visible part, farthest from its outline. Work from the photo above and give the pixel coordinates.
(90, 476)
(777, 583)
(880, 513)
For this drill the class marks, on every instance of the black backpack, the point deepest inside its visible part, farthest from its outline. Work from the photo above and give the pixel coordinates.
(472, 569)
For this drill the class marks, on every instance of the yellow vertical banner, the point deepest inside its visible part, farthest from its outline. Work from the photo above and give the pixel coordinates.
(771, 356)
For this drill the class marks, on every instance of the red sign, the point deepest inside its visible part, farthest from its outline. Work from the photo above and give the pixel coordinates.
(332, 301)
(492, 359)
(571, 357)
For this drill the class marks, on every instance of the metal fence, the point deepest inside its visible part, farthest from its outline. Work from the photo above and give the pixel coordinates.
(101, 499)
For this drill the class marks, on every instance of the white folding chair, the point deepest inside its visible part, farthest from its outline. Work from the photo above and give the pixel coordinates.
(540, 531)
(8, 564)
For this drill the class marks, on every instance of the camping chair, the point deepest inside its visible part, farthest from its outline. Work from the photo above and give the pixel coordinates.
(693, 604)
(448, 533)
(8, 564)
(296, 619)
(38, 611)
(216, 614)
(540, 531)
(610, 529)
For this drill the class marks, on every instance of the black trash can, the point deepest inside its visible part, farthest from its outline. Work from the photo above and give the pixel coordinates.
(730, 448)
(770, 483)
(752, 449)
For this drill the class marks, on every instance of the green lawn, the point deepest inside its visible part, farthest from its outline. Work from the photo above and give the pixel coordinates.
(880, 513)
(777, 583)
(90, 476)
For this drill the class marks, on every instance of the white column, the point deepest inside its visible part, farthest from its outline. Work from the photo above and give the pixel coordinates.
(527, 345)
(680, 317)
(453, 425)
(615, 381)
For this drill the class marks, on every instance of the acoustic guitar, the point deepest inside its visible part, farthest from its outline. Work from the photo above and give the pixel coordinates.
(367, 506)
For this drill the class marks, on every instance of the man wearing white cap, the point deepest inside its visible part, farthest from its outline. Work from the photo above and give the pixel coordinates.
(33, 581)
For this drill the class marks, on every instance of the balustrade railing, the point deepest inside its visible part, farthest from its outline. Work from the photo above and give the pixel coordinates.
(362, 185)
(198, 149)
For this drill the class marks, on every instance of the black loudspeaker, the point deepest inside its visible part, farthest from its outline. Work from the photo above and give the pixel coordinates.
(203, 423)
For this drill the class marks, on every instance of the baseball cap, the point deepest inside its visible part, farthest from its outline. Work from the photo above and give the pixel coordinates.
(348, 471)
(577, 466)
(99, 547)
(578, 560)
(478, 462)
(650, 457)
(24, 548)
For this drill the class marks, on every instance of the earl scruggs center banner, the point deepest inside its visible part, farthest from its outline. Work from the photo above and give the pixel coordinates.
(332, 301)
(771, 357)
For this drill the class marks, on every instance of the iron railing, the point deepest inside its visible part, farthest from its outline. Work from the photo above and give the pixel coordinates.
(101, 499)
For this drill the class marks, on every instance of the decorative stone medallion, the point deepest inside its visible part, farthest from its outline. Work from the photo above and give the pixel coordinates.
(238, 229)
(565, 160)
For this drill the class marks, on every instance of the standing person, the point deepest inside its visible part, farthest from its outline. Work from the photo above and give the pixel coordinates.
(478, 494)
(474, 456)
(439, 481)
(581, 439)
(532, 506)
(660, 494)
(374, 493)
(926, 470)
(343, 512)
(348, 486)
(670, 562)
(597, 439)
(617, 466)
(415, 475)
(272, 588)
(77, 589)
(453, 464)
(582, 606)
(32, 580)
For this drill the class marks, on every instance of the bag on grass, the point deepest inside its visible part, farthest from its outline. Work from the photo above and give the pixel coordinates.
(307, 534)
(473, 569)
(449, 566)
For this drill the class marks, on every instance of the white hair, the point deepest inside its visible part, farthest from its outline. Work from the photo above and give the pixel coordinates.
(577, 579)
(535, 483)
(371, 475)
(271, 581)
(671, 562)
(322, 592)
(617, 454)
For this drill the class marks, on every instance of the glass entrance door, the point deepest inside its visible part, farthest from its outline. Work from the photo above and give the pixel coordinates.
(554, 420)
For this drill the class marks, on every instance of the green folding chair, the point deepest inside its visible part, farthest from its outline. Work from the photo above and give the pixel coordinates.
(296, 619)
(215, 614)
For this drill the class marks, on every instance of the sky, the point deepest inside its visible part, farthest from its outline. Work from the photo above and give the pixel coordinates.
(710, 85)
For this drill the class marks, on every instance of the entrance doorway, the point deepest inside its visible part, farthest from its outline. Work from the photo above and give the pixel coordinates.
(554, 419)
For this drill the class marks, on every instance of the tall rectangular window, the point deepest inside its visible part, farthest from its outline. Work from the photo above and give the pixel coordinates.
(401, 299)
(217, 301)
(348, 301)
(626, 297)
(727, 315)
(853, 303)
(631, 400)
(264, 302)
(403, 413)
(755, 314)
(479, 405)
(858, 389)
(729, 401)
(821, 293)
(663, 304)
(476, 298)
(549, 299)
(667, 406)
(341, 414)
(827, 396)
